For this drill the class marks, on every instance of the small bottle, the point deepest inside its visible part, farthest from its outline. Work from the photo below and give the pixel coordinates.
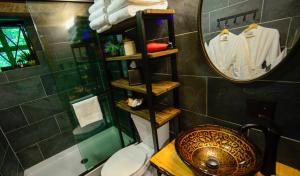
(134, 75)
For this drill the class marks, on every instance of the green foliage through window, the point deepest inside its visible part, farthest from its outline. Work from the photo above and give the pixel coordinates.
(14, 49)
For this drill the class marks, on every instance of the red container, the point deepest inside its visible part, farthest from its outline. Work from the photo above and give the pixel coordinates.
(155, 47)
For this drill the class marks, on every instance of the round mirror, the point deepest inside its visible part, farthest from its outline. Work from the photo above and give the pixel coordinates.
(245, 40)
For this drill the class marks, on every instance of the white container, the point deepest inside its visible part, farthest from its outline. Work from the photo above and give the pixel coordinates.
(129, 48)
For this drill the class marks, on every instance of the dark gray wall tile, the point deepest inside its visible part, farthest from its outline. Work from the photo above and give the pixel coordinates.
(10, 165)
(191, 119)
(228, 101)
(20, 171)
(30, 156)
(49, 84)
(236, 9)
(27, 72)
(280, 9)
(185, 18)
(42, 108)
(191, 60)
(12, 118)
(294, 34)
(231, 2)
(61, 50)
(210, 5)
(57, 144)
(192, 94)
(63, 121)
(282, 26)
(288, 151)
(21, 91)
(29, 135)
(3, 78)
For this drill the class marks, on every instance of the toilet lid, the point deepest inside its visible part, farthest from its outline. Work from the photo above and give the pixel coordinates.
(125, 162)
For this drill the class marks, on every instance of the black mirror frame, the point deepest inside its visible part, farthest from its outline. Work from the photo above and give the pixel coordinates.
(292, 53)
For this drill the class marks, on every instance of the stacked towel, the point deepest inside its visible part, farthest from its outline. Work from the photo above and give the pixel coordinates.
(105, 13)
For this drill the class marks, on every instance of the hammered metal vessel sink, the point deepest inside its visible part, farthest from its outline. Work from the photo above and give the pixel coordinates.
(218, 151)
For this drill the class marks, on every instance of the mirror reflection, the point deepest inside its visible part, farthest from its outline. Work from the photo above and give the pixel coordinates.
(245, 40)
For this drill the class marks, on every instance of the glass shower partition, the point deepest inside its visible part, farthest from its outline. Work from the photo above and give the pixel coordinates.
(71, 51)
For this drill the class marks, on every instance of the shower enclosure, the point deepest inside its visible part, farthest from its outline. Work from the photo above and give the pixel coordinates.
(70, 70)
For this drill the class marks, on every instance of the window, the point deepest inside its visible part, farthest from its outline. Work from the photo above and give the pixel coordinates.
(15, 50)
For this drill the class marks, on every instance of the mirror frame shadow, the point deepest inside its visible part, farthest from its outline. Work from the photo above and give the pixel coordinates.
(290, 54)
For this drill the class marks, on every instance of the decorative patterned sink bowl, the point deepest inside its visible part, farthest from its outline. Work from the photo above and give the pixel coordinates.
(218, 151)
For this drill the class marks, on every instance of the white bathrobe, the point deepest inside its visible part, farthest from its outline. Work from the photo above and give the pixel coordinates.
(263, 46)
(228, 54)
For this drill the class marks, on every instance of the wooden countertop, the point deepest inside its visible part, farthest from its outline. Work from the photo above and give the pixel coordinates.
(168, 162)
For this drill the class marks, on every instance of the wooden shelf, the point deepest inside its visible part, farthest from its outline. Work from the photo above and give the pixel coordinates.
(131, 22)
(158, 88)
(162, 115)
(168, 162)
(139, 56)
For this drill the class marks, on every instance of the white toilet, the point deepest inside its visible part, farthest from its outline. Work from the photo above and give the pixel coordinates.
(134, 160)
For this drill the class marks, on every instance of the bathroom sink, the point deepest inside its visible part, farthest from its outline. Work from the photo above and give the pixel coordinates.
(218, 151)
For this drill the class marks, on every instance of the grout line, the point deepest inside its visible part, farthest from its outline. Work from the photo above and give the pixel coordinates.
(218, 119)
(287, 138)
(21, 150)
(262, 10)
(232, 5)
(57, 124)
(38, 146)
(43, 86)
(24, 114)
(2, 162)
(9, 145)
(288, 34)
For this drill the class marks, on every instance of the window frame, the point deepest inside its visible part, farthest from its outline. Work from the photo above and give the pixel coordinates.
(21, 25)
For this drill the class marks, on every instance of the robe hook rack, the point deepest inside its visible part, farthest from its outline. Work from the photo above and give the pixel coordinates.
(235, 17)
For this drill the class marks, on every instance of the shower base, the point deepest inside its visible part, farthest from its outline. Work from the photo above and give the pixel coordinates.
(68, 162)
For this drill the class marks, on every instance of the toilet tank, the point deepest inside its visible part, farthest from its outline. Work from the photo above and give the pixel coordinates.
(144, 129)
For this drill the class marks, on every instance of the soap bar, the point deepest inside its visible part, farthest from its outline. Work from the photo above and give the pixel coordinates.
(155, 47)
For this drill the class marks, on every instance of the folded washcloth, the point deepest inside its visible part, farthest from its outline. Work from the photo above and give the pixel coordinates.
(99, 22)
(97, 13)
(98, 4)
(88, 111)
(130, 11)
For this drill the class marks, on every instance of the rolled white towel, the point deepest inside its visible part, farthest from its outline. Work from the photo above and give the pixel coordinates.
(99, 12)
(104, 28)
(130, 11)
(120, 4)
(98, 4)
(99, 22)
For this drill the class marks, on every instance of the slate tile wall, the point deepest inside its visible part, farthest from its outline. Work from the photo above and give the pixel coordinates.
(9, 163)
(31, 114)
(205, 97)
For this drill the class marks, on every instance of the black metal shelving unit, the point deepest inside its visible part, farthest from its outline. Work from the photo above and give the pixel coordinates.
(150, 89)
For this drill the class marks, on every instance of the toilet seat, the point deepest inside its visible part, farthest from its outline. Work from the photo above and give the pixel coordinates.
(125, 162)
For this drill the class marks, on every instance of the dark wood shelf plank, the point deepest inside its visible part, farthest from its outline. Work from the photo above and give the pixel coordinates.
(158, 88)
(162, 116)
(139, 56)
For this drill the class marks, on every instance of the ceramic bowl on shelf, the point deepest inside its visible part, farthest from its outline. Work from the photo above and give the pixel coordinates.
(218, 151)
